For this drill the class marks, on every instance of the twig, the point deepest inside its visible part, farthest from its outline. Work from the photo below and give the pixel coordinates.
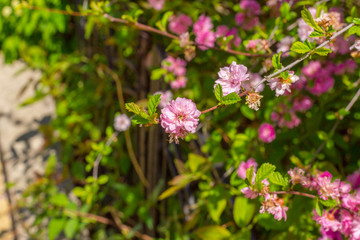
(99, 157)
(139, 26)
(295, 193)
(217, 106)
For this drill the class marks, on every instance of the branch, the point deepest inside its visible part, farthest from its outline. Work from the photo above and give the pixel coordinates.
(139, 26)
(295, 193)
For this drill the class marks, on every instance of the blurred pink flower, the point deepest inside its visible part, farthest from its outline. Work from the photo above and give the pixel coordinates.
(297, 176)
(249, 193)
(122, 123)
(157, 4)
(244, 166)
(177, 66)
(304, 29)
(254, 79)
(274, 206)
(284, 45)
(179, 82)
(179, 118)
(302, 104)
(179, 24)
(249, 17)
(267, 133)
(327, 221)
(165, 98)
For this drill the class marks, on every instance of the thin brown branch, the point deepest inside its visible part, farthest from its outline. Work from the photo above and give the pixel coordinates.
(295, 193)
(217, 106)
(139, 26)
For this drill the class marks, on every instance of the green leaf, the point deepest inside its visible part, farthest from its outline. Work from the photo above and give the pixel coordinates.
(195, 161)
(71, 227)
(51, 164)
(330, 203)
(250, 174)
(276, 61)
(133, 107)
(247, 112)
(165, 18)
(243, 211)
(55, 226)
(103, 179)
(354, 30)
(322, 51)
(263, 172)
(356, 20)
(153, 103)
(306, 15)
(300, 47)
(60, 200)
(317, 34)
(212, 233)
(139, 120)
(318, 208)
(278, 179)
(343, 112)
(216, 203)
(156, 74)
(231, 98)
(219, 93)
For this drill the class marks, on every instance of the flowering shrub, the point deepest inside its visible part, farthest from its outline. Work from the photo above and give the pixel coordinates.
(247, 109)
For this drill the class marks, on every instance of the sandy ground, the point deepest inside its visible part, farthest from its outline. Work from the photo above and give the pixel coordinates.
(21, 144)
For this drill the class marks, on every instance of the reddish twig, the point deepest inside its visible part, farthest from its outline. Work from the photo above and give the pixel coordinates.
(217, 106)
(295, 193)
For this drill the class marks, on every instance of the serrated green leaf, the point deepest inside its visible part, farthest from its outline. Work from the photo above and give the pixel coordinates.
(322, 51)
(133, 107)
(278, 179)
(307, 17)
(317, 34)
(153, 103)
(276, 61)
(356, 20)
(139, 120)
(330, 203)
(300, 47)
(231, 98)
(250, 175)
(284, 75)
(263, 172)
(219, 93)
(354, 30)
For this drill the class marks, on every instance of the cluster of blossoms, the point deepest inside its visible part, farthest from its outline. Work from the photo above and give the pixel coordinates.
(165, 97)
(248, 18)
(341, 219)
(177, 67)
(271, 204)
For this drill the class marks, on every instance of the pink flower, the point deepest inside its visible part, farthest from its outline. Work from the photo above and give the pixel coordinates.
(346, 220)
(244, 166)
(165, 98)
(274, 206)
(284, 45)
(177, 66)
(327, 221)
(267, 133)
(254, 79)
(122, 123)
(297, 176)
(351, 202)
(312, 68)
(354, 179)
(249, 193)
(203, 24)
(179, 82)
(249, 17)
(179, 24)
(322, 84)
(281, 85)
(223, 31)
(355, 231)
(157, 4)
(179, 118)
(184, 40)
(302, 104)
(327, 189)
(230, 78)
(205, 40)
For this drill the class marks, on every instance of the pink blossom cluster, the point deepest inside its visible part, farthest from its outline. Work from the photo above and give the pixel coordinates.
(177, 67)
(231, 78)
(271, 204)
(179, 117)
(344, 218)
(204, 36)
(157, 4)
(285, 117)
(257, 45)
(281, 85)
(248, 18)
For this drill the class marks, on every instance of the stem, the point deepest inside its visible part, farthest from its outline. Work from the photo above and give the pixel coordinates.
(139, 26)
(217, 106)
(295, 193)
(99, 157)
(304, 57)
(127, 132)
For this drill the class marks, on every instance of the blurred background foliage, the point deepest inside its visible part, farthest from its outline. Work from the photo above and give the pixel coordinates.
(79, 57)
